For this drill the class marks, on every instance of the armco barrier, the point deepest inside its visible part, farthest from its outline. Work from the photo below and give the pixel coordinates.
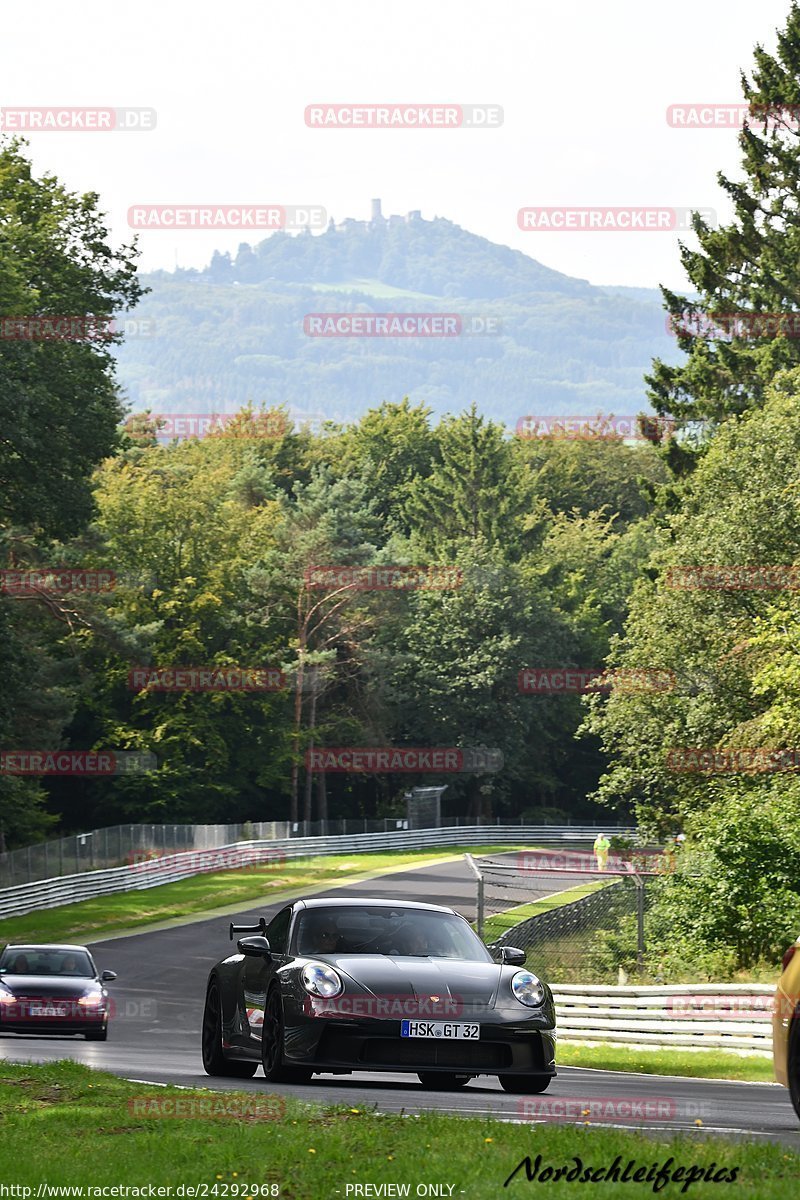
(695, 1016)
(68, 889)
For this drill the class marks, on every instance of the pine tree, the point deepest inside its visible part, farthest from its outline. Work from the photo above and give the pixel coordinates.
(751, 266)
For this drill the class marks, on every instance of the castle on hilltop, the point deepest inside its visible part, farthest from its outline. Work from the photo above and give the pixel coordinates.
(376, 219)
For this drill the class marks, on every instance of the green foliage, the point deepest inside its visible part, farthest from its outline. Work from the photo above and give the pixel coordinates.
(734, 900)
(727, 647)
(59, 413)
(59, 406)
(749, 266)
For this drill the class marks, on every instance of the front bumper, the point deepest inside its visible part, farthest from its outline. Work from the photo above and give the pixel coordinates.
(53, 1026)
(505, 1047)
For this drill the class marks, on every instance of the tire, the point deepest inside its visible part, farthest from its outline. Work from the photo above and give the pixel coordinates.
(214, 1061)
(793, 1064)
(525, 1085)
(442, 1081)
(272, 1045)
(97, 1035)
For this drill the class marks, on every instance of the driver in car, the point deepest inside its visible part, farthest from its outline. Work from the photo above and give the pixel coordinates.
(415, 942)
(321, 937)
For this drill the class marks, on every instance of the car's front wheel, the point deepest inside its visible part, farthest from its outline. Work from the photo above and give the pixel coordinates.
(272, 1045)
(214, 1061)
(443, 1081)
(97, 1035)
(525, 1085)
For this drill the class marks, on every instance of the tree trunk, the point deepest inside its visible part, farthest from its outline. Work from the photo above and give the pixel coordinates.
(322, 800)
(312, 722)
(298, 720)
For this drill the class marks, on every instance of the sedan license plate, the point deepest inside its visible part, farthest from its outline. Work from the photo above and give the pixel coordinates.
(47, 1010)
(439, 1029)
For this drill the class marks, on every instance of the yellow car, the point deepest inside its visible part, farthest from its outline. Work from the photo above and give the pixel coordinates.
(786, 1026)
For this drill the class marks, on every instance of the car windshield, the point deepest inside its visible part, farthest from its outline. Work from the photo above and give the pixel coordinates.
(30, 960)
(399, 932)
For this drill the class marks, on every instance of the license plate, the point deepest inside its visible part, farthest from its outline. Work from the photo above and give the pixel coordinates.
(47, 1010)
(439, 1029)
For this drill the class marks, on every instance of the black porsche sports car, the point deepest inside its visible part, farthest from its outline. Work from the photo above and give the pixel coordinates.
(53, 989)
(337, 986)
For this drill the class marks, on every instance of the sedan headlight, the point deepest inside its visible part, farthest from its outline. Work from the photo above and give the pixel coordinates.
(321, 980)
(528, 989)
(91, 1000)
(6, 997)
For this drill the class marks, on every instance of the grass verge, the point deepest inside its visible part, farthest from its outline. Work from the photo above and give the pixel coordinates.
(695, 1064)
(500, 923)
(89, 920)
(63, 1124)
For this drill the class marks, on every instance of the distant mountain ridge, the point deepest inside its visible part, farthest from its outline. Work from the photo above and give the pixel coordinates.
(237, 330)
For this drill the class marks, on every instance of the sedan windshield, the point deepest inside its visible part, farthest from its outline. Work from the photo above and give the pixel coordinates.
(399, 932)
(25, 960)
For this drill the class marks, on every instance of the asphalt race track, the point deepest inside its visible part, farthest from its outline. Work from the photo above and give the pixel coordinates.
(155, 1037)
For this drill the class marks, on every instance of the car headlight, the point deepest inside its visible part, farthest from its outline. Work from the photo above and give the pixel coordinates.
(91, 1000)
(528, 989)
(321, 980)
(6, 997)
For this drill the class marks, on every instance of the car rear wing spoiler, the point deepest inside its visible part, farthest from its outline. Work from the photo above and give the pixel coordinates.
(261, 927)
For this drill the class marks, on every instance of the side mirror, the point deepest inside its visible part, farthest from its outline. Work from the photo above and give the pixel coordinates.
(108, 976)
(512, 956)
(254, 947)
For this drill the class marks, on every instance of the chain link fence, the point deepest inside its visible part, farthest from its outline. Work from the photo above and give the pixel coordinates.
(575, 942)
(577, 921)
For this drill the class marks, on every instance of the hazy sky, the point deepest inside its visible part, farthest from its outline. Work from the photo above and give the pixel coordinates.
(584, 88)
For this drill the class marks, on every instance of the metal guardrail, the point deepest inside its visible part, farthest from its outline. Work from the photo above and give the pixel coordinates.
(120, 845)
(169, 868)
(697, 1016)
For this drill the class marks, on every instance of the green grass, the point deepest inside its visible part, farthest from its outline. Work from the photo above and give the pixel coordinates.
(697, 1064)
(500, 923)
(209, 893)
(64, 1124)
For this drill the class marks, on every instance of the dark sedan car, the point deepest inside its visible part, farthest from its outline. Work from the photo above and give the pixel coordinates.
(53, 989)
(376, 985)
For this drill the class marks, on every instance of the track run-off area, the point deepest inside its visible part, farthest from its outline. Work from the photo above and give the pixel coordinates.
(154, 1037)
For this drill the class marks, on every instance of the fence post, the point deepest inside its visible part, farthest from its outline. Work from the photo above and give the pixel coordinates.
(479, 900)
(639, 922)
